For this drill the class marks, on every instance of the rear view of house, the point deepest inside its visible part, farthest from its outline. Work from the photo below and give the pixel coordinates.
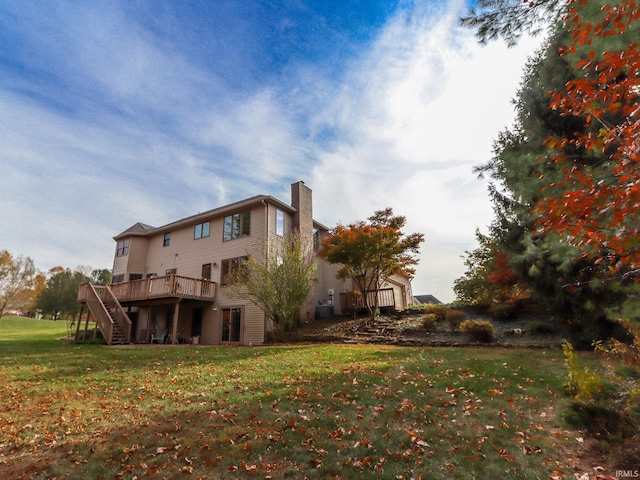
(170, 283)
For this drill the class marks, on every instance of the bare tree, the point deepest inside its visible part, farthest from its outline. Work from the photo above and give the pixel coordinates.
(16, 276)
(280, 282)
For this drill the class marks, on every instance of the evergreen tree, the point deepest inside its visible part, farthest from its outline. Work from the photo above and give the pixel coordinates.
(572, 285)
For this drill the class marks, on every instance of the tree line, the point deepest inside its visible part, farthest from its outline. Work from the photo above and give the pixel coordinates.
(25, 290)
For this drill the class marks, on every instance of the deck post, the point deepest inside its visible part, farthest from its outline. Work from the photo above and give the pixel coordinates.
(79, 322)
(86, 326)
(149, 324)
(174, 331)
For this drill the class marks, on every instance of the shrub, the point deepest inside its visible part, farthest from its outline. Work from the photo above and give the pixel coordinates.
(582, 382)
(537, 327)
(437, 309)
(478, 330)
(429, 322)
(502, 311)
(455, 318)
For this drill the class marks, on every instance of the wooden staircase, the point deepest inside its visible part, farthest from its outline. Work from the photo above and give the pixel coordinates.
(118, 335)
(111, 319)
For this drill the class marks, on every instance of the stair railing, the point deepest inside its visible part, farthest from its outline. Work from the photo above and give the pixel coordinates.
(99, 310)
(120, 316)
(106, 310)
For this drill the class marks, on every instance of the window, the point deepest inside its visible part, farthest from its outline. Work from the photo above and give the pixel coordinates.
(134, 276)
(279, 222)
(236, 226)
(166, 240)
(316, 239)
(123, 248)
(229, 266)
(231, 321)
(201, 230)
(118, 278)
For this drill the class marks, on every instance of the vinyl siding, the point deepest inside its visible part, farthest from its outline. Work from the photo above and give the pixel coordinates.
(134, 261)
(137, 256)
(193, 253)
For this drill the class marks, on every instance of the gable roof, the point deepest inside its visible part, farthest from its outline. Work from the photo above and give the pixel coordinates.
(137, 229)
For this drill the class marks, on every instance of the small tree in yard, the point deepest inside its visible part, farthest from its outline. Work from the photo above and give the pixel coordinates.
(16, 278)
(281, 284)
(372, 252)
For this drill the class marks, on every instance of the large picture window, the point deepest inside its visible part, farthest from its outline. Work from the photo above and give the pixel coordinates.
(228, 267)
(123, 248)
(201, 230)
(231, 322)
(236, 226)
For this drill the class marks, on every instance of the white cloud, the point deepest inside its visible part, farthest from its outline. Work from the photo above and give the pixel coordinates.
(421, 111)
(151, 135)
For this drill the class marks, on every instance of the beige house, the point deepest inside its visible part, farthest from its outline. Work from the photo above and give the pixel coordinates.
(169, 283)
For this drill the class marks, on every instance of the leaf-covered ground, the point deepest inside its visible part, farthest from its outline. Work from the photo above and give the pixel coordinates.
(314, 411)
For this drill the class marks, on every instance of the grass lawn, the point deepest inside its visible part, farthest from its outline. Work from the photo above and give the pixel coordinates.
(290, 411)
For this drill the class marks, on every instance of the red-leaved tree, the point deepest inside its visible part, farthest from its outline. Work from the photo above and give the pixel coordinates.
(595, 202)
(370, 253)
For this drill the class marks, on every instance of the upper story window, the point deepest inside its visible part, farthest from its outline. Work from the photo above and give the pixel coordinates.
(236, 226)
(201, 230)
(123, 248)
(279, 222)
(166, 240)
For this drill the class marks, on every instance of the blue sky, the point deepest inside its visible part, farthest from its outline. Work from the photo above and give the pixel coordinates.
(114, 112)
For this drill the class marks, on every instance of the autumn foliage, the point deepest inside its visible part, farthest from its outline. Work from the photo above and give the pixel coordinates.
(595, 202)
(372, 252)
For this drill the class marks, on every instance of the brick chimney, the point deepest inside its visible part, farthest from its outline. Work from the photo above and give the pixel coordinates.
(301, 200)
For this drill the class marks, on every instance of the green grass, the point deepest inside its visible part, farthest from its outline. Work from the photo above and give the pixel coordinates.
(315, 411)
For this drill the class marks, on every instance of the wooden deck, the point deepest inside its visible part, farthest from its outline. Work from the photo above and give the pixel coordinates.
(169, 286)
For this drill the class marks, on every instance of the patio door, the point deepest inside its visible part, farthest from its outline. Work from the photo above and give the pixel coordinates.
(231, 324)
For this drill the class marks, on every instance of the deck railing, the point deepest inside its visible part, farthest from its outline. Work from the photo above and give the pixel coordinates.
(350, 302)
(166, 286)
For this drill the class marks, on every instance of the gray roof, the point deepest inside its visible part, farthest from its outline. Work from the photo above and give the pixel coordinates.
(426, 299)
(138, 229)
